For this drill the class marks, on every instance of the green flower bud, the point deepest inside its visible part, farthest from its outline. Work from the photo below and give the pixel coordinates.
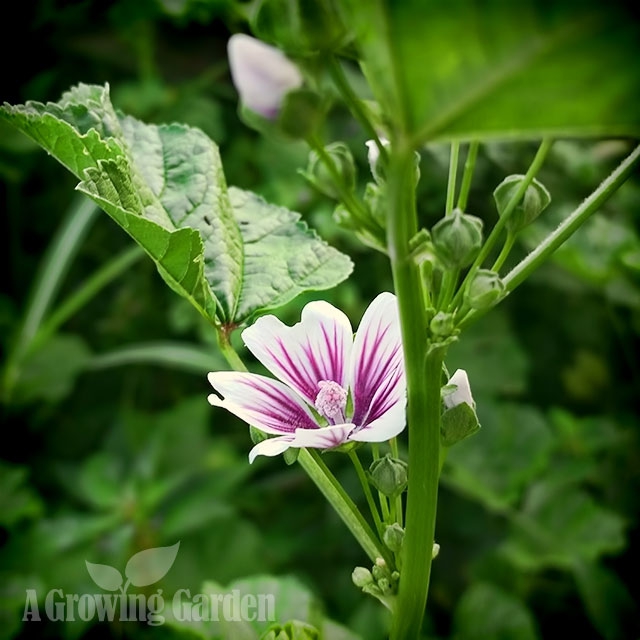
(485, 290)
(299, 26)
(435, 551)
(442, 324)
(376, 239)
(377, 163)
(322, 179)
(388, 475)
(535, 201)
(291, 630)
(375, 199)
(361, 577)
(393, 537)
(380, 570)
(457, 239)
(300, 114)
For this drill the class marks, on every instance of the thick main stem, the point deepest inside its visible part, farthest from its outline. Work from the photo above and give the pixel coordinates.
(423, 393)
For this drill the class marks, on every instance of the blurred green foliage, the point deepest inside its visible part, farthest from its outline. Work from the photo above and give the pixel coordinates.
(110, 446)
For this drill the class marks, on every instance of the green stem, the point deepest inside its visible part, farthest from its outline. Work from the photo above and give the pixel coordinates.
(346, 196)
(469, 167)
(423, 398)
(98, 280)
(573, 222)
(506, 250)
(451, 183)
(332, 490)
(393, 444)
(354, 103)
(539, 158)
(366, 488)
(318, 471)
(569, 226)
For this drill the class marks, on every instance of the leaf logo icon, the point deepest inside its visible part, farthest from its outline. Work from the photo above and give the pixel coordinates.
(104, 576)
(149, 566)
(144, 568)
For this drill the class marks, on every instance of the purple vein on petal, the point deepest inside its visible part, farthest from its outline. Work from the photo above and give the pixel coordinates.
(377, 369)
(317, 348)
(268, 405)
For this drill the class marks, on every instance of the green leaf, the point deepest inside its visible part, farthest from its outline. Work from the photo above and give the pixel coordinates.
(491, 356)
(484, 611)
(466, 69)
(165, 186)
(608, 603)
(282, 256)
(18, 501)
(49, 373)
(560, 525)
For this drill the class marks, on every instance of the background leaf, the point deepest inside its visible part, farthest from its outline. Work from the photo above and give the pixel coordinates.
(467, 69)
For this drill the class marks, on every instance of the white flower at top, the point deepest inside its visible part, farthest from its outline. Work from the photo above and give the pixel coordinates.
(262, 74)
(462, 393)
(331, 388)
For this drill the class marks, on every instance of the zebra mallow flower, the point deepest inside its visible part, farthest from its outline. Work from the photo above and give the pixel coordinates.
(262, 74)
(332, 388)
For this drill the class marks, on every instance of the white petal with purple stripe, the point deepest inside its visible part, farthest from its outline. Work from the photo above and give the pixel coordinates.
(377, 366)
(268, 405)
(315, 349)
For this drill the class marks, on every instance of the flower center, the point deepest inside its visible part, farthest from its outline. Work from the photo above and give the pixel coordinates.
(331, 401)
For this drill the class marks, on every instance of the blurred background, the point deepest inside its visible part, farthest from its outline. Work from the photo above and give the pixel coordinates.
(109, 444)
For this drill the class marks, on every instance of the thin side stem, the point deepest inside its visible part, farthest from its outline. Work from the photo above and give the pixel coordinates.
(366, 488)
(453, 172)
(504, 254)
(568, 227)
(538, 160)
(347, 198)
(393, 445)
(317, 470)
(332, 490)
(469, 167)
(573, 222)
(354, 103)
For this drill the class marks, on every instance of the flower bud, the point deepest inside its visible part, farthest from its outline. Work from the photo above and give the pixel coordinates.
(361, 577)
(485, 290)
(377, 164)
(393, 537)
(442, 324)
(462, 392)
(388, 475)
(262, 74)
(299, 26)
(457, 239)
(459, 420)
(322, 179)
(435, 550)
(536, 199)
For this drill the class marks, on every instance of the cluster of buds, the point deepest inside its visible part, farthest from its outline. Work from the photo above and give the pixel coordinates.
(380, 582)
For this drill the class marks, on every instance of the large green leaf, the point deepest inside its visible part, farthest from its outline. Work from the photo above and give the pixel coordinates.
(227, 251)
(455, 69)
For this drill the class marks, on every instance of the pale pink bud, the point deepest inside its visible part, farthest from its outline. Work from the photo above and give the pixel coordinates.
(262, 74)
